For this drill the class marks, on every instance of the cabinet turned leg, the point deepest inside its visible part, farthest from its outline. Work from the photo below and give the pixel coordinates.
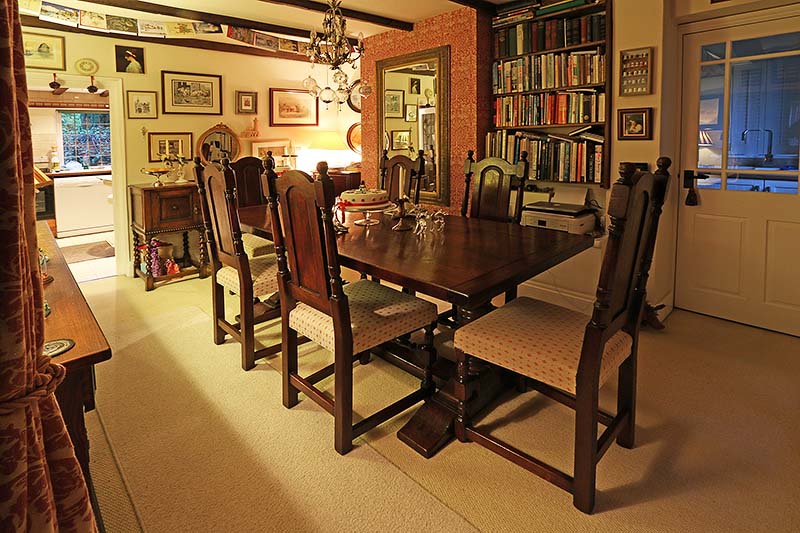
(149, 282)
(137, 258)
(186, 260)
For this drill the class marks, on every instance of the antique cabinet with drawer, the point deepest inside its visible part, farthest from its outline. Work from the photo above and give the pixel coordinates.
(171, 208)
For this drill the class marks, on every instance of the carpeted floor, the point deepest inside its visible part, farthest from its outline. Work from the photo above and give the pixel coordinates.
(201, 445)
(86, 252)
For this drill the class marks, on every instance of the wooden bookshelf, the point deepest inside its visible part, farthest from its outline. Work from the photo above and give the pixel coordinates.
(553, 72)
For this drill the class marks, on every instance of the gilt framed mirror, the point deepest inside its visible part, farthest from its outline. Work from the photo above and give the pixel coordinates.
(217, 143)
(430, 72)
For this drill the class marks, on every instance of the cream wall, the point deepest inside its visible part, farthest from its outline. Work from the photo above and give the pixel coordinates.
(704, 8)
(239, 72)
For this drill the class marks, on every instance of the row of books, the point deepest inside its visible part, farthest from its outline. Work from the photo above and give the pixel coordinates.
(543, 35)
(549, 71)
(567, 159)
(563, 107)
(513, 15)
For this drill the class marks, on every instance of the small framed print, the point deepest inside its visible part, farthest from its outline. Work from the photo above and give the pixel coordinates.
(184, 93)
(292, 107)
(635, 124)
(414, 86)
(246, 102)
(159, 144)
(278, 147)
(44, 51)
(634, 72)
(411, 113)
(142, 104)
(401, 139)
(393, 101)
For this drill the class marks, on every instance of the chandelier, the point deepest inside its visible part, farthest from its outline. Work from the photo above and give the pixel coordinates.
(332, 48)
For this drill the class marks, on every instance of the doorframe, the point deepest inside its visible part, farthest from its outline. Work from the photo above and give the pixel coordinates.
(119, 183)
(714, 22)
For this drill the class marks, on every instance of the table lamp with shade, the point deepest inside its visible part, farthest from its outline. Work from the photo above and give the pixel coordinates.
(326, 146)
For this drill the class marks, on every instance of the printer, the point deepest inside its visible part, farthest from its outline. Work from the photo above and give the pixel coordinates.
(565, 211)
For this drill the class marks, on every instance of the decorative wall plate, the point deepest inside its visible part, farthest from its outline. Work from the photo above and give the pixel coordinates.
(87, 65)
(354, 100)
(354, 137)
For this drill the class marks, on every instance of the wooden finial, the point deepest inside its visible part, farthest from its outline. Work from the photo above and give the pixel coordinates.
(663, 164)
(626, 173)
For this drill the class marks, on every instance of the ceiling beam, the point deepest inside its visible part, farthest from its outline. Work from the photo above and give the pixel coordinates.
(348, 13)
(200, 16)
(34, 22)
(478, 5)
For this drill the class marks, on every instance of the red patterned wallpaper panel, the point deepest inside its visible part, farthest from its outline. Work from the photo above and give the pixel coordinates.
(469, 36)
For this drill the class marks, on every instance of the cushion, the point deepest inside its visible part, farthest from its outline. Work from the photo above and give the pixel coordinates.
(377, 314)
(255, 246)
(539, 340)
(264, 271)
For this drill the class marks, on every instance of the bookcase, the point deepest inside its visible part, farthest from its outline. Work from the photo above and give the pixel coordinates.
(552, 89)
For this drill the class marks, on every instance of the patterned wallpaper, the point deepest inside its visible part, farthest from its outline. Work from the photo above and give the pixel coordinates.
(469, 36)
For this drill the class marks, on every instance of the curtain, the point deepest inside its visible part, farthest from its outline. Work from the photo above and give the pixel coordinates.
(41, 484)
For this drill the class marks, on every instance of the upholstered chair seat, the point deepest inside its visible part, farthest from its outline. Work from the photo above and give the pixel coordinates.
(263, 270)
(539, 340)
(377, 314)
(255, 246)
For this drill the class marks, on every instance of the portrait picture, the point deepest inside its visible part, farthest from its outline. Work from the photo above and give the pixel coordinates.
(414, 86)
(393, 101)
(292, 107)
(191, 94)
(634, 124)
(130, 59)
(142, 104)
(44, 51)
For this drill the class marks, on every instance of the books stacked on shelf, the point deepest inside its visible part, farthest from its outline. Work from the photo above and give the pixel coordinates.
(577, 106)
(513, 15)
(542, 35)
(562, 5)
(573, 158)
(549, 71)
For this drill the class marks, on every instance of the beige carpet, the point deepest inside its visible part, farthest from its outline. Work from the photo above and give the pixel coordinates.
(204, 446)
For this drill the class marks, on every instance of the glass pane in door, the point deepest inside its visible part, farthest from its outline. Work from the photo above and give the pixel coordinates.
(712, 97)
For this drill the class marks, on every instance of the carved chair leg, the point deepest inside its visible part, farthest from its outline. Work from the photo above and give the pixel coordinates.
(626, 399)
(289, 363)
(246, 331)
(462, 377)
(218, 305)
(343, 401)
(583, 490)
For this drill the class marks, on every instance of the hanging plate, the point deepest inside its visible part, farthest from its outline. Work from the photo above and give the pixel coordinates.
(87, 66)
(354, 100)
(354, 137)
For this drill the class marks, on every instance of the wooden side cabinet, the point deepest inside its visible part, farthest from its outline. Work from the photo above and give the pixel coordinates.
(344, 180)
(171, 208)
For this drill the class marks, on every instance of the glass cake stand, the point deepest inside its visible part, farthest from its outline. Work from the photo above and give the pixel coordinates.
(368, 210)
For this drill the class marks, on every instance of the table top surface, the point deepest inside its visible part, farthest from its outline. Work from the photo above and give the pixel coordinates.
(467, 264)
(71, 317)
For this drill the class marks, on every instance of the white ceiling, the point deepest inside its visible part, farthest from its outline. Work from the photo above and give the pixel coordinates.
(257, 10)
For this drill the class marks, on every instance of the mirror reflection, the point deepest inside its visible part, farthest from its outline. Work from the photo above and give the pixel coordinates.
(218, 143)
(413, 107)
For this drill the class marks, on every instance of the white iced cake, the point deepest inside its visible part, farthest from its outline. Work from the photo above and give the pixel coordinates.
(361, 198)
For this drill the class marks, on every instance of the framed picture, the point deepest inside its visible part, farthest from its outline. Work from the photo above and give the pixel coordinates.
(184, 93)
(401, 139)
(168, 143)
(393, 101)
(292, 107)
(129, 59)
(142, 104)
(634, 71)
(411, 112)
(635, 124)
(278, 147)
(414, 86)
(44, 51)
(710, 111)
(246, 102)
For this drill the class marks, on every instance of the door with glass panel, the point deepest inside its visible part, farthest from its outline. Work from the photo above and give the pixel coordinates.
(739, 246)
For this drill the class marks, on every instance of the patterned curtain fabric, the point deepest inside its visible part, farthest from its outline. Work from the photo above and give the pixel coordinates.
(41, 485)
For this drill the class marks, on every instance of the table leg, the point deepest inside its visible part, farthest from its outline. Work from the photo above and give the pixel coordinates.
(431, 427)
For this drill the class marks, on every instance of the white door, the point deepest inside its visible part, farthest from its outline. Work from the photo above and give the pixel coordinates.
(739, 249)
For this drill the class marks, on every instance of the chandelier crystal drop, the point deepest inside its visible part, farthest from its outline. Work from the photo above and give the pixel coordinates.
(332, 48)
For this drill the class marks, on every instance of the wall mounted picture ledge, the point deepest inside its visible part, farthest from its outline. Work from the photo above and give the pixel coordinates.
(185, 93)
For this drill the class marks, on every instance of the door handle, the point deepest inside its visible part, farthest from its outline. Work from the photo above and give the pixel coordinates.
(689, 178)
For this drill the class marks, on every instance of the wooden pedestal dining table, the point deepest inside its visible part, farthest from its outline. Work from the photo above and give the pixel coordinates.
(466, 264)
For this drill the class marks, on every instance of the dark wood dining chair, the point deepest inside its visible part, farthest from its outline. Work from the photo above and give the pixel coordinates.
(402, 171)
(232, 270)
(347, 320)
(247, 171)
(566, 355)
(254, 246)
(491, 181)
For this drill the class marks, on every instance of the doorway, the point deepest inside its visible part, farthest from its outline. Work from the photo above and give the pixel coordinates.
(738, 256)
